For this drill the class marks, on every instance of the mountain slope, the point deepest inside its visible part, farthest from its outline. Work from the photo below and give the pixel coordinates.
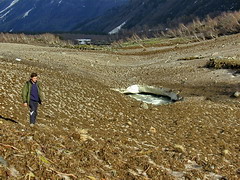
(46, 15)
(155, 12)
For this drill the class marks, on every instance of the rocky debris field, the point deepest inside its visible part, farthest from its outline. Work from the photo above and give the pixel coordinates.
(86, 130)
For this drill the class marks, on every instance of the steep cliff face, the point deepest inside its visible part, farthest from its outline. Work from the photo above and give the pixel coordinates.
(50, 15)
(155, 12)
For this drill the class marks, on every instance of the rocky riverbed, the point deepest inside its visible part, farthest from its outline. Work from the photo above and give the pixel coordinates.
(86, 130)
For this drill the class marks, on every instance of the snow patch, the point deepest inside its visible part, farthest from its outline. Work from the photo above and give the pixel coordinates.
(12, 4)
(117, 29)
(5, 14)
(133, 89)
(27, 13)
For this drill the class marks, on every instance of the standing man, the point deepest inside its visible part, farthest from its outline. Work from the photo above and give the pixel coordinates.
(32, 96)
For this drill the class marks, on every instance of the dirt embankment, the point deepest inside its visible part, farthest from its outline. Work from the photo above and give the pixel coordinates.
(86, 130)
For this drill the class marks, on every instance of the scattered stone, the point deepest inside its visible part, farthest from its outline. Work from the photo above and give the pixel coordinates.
(238, 172)
(3, 162)
(153, 130)
(176, 174)
(212, 175)
(30, 138)
(18, 59)
(190, 58)
(192, 165)
(226, 152)
(179, 148)
(215, 54)
(76, 136)
(236, 94)
(29, 175)
(144, 106)
(115, 146)
(91, 177)
(82, 135)
(129, 123)
(14, 172)
(113, 173)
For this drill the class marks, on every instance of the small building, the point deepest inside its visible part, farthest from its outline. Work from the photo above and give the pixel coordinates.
(84, 41)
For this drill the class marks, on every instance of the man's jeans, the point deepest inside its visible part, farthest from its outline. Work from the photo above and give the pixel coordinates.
(33, 111)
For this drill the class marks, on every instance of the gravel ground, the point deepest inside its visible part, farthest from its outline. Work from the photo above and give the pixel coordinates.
(86, 130)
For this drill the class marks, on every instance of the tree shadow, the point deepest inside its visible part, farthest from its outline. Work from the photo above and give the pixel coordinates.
(8, 119)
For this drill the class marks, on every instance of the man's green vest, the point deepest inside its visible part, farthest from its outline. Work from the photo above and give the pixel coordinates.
(26, 92)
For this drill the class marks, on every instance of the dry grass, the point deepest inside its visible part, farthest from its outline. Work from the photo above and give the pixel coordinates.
(224, 63)
(209, 28)
(40, 39)
(189, 58)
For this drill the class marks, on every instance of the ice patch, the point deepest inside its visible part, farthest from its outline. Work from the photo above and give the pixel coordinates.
(117, 29)
(133, 89)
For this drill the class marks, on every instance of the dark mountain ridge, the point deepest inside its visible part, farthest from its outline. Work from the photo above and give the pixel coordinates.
(104, 15)
(50, 16)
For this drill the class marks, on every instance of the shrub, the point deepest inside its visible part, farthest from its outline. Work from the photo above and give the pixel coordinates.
(224, 63)
(224, 24)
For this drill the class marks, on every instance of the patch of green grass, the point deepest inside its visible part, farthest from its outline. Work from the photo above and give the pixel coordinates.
(166, 41)
(155, 42)
(85, 47)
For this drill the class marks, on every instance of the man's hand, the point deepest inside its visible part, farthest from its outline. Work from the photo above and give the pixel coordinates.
(25, 104)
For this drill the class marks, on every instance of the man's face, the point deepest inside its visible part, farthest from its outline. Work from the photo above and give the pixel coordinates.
(34, 79)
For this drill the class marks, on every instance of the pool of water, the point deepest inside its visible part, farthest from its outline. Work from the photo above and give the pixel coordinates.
(151, 94)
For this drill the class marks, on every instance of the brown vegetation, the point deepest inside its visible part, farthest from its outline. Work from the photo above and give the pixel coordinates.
(85, 130)
(209, 28)
(224, 63)
(40, 39)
